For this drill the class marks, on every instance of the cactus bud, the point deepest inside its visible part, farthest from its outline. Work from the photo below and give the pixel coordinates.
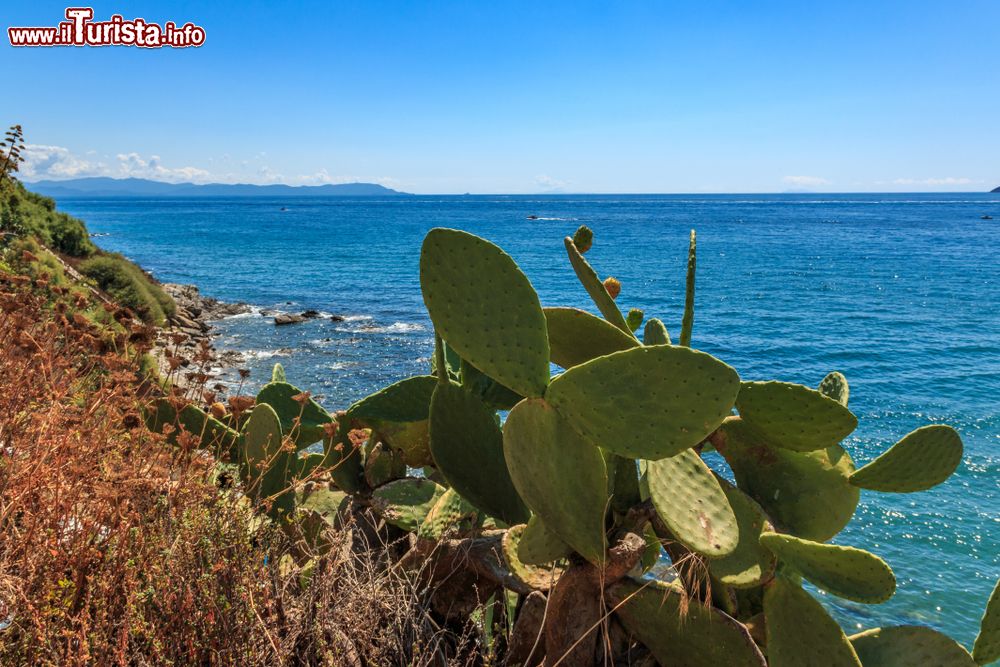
(613, 287)
(583, 239)
(634, 318)
(218, 410)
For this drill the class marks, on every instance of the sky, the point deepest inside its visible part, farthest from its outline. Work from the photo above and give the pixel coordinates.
(524, 97)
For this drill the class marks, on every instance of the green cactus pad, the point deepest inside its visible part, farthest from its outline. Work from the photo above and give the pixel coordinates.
(266, 469)
(800, 632)
(481, 303)
(560, 476)
(279, 395)
(835, 386)
(750, 564)
(655, 333)
(576, 336)
(540, 546)
(678, 633)
(278, 373)
(647, 402)
(305, 465)
(623, 482)
(804, 493)
(924, 458)
(987, 646)
(853, 574)
(688, 498)
(343, 459)
(794, 416)
(450, 514)
(214, 435)
(328, 504)
(400, 414)
(909, 646)
(595, 288)
(687, 322)
(538, 577)
(467, 446)
(383, 464)
(405, 503)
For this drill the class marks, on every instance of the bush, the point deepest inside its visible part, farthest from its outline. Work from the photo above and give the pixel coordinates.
(129, 286)
(26, 213)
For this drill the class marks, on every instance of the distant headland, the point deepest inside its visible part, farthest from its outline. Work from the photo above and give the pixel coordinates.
(140, 187)
(996, 189)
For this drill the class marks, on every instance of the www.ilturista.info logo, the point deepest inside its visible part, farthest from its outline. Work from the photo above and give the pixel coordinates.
(80, 30)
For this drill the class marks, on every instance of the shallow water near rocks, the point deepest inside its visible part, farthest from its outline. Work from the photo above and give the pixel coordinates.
(899, 292)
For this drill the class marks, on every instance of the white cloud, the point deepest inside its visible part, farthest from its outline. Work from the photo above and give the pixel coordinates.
(550, 184)
(937, 182)
(133, 165)
(805, 181)
(41, 162)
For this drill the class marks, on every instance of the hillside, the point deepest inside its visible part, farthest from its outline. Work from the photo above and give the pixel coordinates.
(140, 187)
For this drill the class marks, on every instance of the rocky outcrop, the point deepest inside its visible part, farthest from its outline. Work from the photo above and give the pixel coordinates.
(189, 299)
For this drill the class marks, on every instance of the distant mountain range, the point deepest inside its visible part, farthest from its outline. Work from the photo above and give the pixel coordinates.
(140, 187)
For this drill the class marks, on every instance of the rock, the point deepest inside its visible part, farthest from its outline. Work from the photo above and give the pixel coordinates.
(190, 301)
(310, 314)
(336, 318)
(280, 320)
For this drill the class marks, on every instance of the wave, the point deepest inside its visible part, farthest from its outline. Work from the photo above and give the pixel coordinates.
(395, 327)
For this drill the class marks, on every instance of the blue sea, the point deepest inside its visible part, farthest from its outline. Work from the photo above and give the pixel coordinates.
(899, 292)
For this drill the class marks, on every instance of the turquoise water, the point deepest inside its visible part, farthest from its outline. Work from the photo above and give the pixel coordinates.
(899, 292)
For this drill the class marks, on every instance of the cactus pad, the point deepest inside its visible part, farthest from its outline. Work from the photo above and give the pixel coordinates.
(853, 574)
(647, 402)
(481, 303)
(835, 386)
(467, 447)
(595, 288)
(677, 633)
(576, 336)
(987, 646)
(687, 321)
(267, 469)
(560, 476)
(450, 514)
(214, 434)
(804, 493)
(538, 545)
(311, 415)
(793, 416)
(655, 333)
(278, 373)
(749, 564)
(405, 503)
(688, 498)
(400, 415)
(800, 631)
(924, 458)
(538, 577)
(908, 646)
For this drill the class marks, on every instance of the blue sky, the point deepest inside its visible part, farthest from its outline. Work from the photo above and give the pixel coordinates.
(487, 97)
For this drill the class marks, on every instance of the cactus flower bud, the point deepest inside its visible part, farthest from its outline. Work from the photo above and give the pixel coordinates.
(613, 287)
(634, 319)
(218, 410)
(583, 239)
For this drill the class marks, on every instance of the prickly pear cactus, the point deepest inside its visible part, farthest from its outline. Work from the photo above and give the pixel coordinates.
(907, 645)
(923, 459)
(800, 631)
(793, 416)
(987, 646)
(576, 337)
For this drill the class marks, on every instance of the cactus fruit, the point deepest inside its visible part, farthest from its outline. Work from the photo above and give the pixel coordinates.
(405, 503)
(835, 386)
(399, 413)
(481, 303)
(676, 633)
(647, 402)
(560, 476)
(800, 631)
(853, 574)
(451, 514)
(655, 333)
(467, 447)
(267, 468)
(634, 319)
(793, 416)
(804, 493)
(749, 564)
(687, 322)
(278, 374)
(924, 458)
(576, 337)
(302, 418)
(987, 646)
(908, 646)
(538, 545)
(538, 577)
(613, 287)
(688, 498)
(583, 239)
(595, 288)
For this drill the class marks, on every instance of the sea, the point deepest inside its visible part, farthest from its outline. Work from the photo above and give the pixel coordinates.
(900, 292)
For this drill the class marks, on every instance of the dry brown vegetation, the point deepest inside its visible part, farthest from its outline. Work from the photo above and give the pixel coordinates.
(116, 549)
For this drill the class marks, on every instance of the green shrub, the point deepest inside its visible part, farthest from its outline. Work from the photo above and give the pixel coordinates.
(129, 286)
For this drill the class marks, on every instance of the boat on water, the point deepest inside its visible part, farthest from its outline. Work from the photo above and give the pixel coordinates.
(986, 217)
